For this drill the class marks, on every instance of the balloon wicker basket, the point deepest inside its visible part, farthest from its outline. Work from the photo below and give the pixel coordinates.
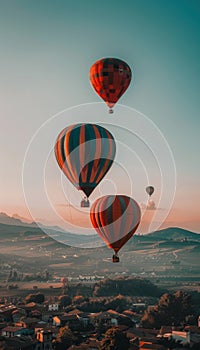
(85, 203)
(115, 259)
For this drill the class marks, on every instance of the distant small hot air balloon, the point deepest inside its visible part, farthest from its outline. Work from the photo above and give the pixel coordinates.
(85, 153)
(115, 218)
(110, 77)
(150, 190)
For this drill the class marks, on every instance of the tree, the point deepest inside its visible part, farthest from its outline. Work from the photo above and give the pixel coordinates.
(65, 339)
(64, 300)
(78, 299)
(171, 309)
(36, 298)
(125, 286)
(114, 339)
(118, 303)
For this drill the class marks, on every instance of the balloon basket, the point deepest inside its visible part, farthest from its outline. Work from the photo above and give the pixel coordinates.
(85, 203)
(110, 111)
(115, 259)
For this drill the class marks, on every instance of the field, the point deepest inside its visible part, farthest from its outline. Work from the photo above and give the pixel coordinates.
(168, 258)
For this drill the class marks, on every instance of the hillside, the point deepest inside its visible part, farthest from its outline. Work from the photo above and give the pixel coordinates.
(167, 254)
(174, 233)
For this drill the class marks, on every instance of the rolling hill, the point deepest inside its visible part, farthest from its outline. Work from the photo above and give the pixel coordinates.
(168, 253)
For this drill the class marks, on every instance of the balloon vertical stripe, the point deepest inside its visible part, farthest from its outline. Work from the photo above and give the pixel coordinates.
(85, 153)
(115, 218)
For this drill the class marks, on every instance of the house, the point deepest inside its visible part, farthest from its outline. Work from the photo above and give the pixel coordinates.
(29, 322)
(30, 307)
(107, 318)
(144, 339)
(73, 321)
(18, 314)
(75, 312)
(183, 337)
(11, 331)
(6, 311)
(54, 330)
(53, 307)
(148, 345)
(131, 315)
(110, 318)
(47, 317)
(44, 338)
(82, 316)
(19, 343)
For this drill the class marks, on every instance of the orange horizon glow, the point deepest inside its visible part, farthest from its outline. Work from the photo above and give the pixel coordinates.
(176, 218)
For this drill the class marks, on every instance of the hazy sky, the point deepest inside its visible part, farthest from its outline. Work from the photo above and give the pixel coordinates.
(47, 48)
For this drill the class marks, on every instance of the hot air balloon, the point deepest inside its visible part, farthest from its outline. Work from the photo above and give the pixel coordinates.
(110, 77)
(85, 153)
(115, 218)
(150, 190)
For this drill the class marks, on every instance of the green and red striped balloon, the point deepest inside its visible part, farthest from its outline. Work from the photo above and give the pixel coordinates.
(85, 153)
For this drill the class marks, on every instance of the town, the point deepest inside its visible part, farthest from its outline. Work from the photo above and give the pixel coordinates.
(127, 313)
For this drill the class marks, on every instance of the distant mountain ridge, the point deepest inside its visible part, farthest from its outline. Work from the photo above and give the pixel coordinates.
(85, 241)
(67, 238)
(17, 220)
(174, 233)
(171, 233)
(25, 220)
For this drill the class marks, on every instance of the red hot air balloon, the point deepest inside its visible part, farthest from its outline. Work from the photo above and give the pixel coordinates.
(85, 153)
(115, 218)
(150, 190)
(110, 77)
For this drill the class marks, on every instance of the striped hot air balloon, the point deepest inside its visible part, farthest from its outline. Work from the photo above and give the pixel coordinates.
(115, 218)
(110, 77)
(85, 153)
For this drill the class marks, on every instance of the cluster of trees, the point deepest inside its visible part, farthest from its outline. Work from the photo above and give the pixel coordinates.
(64, 300)
(132, 286)
(16, 276)
(12, 286)
(114, 338)
(13, 276)
(171, 309)
(126, 286)
(65, 339)
(118, 303)
(37, 298)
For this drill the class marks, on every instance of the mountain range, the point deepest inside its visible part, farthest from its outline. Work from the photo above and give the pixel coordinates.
(17, 220)
(165, 253)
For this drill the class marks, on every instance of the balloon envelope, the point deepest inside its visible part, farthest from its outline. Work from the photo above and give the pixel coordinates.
(115, 218)
(150, 190)
(85, 153)
(110, 77)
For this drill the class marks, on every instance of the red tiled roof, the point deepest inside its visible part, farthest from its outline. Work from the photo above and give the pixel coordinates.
(11, 329)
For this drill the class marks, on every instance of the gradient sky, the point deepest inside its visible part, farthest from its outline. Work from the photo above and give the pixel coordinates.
(47, 48)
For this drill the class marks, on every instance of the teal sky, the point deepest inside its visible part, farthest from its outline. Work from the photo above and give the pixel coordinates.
(47, 48)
